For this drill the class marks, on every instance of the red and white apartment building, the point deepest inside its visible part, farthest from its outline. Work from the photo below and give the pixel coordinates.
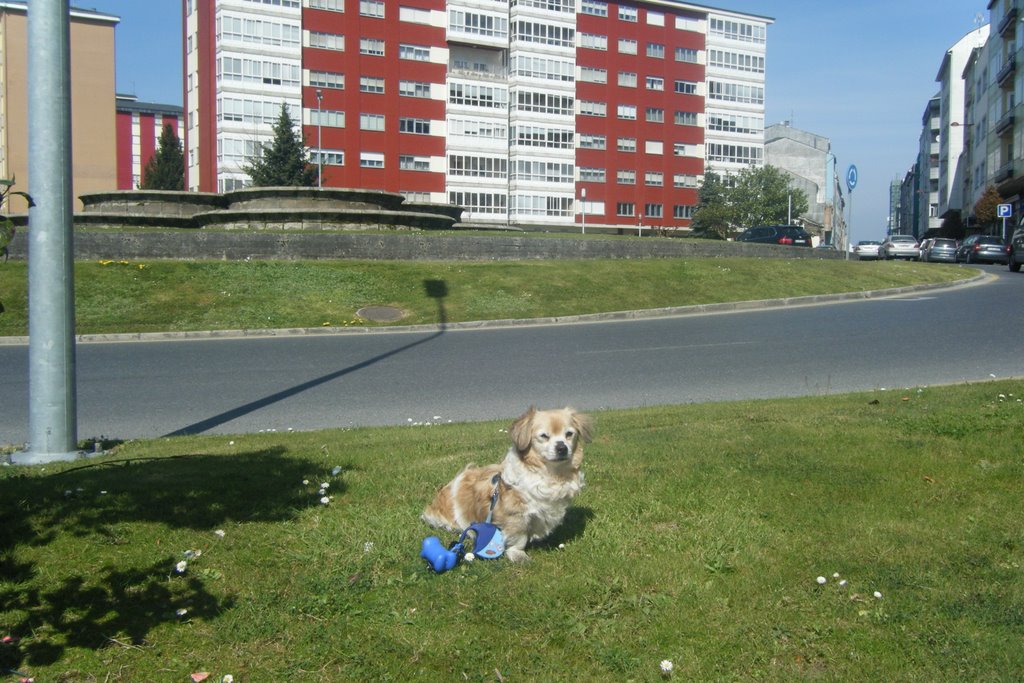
(524, 112)
(138, 129)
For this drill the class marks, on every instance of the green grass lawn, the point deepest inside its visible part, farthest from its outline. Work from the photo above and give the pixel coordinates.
(698, 540)
(157, 296)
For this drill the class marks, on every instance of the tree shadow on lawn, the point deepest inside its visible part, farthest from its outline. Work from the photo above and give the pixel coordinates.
(194, 492)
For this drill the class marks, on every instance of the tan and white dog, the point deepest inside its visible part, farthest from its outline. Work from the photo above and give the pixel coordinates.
(540, 476)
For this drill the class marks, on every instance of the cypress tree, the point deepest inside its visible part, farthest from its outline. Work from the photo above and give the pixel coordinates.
(283, 161)
(165, 169)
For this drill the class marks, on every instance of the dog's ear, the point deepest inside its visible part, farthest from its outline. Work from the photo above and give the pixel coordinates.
(521, 430)
(583, 424)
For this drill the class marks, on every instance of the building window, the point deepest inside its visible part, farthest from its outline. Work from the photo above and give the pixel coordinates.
(414, 15)
(413, 89)
(371, 122)
(627, 46)
(625, 209)
(656, 50)
(479, 202)
(465, 165)
(595, 8)
(626, 112)
(655, 115)
(682, 211)
(477, 95)
(327, 157)
(415, 126)
(592, 141)
(627, 79)
(408, 162)
(545, 103)
(686, 118)
(593, 108)
(593, 41)
(626, 144)
(625, 177)
(371, 84)
(654, 147)
(327, 41)
(371, 160)
(592, 175)
(371, 46)
(683, 180)
(416, 53)
(686, 54)
(652, 210)
(589, 74)
(655, 83)
(654, 178)
(630, 14)
(686, 87)
(327, 79)
(737, 30)
(735, 92)
(371, 8)
(324, 117)
(329, 5)
(487, 25)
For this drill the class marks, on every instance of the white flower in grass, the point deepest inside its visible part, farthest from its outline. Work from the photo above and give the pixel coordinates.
(878, 595)
(368, 546)
(305, 482)
(821, 580)
(843, 582)
(181, 567)
(228, 678)
(469, 557)
(337, 470)
(835, 575)
(181, 612)
(219, 533)
(325, 485)
(666, 666)
(325, 500)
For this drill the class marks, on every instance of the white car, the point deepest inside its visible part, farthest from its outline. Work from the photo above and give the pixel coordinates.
(900, 246)
(867, 250)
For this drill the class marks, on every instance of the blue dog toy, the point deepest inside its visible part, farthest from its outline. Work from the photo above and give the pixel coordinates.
(488, 542)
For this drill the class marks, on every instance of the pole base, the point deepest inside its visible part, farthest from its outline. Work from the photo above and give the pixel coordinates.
(33, 458)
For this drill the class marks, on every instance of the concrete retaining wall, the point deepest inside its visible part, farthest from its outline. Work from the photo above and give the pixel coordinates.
(206, 244)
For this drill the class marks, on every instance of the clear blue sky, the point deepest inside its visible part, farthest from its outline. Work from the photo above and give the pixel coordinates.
(859, 72)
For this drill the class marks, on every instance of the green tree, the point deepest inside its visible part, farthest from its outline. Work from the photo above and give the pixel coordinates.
(762, 195)
(986, 207)
(713, 217)
(165, 169)
(953, 226)
(283, 161)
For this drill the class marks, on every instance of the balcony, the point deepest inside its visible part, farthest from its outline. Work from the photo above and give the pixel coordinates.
(1008, 22)
(1004, 125)
(1004, 172)
(1006, 71)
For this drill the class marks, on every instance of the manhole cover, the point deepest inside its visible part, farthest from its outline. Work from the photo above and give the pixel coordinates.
(381, 314)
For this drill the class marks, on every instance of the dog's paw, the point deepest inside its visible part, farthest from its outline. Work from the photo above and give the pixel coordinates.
(516, 555)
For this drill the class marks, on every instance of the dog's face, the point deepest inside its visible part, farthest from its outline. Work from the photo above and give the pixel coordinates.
(552, 435)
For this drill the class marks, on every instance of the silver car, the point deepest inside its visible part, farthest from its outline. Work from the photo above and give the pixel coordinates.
(939, 249)
(900, 246)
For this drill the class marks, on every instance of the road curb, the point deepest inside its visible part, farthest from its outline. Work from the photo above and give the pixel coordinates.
(641, 314)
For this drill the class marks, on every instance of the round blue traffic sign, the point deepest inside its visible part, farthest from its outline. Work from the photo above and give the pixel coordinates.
(851, 177)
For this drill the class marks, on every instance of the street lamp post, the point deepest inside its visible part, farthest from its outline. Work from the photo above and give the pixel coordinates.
(583, 208)
(319, 149)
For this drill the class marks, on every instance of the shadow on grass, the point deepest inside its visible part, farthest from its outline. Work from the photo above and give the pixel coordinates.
(571, 528)
(121, 603)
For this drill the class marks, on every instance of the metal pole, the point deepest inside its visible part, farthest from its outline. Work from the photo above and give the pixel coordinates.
(583, 208)
(319, 149)
(51, 326)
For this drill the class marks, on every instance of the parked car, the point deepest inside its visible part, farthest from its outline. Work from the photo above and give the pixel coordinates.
(867, 250)
(939, 249)
(982, 249)
(899, 246)
(776, 234)
(1015, 250)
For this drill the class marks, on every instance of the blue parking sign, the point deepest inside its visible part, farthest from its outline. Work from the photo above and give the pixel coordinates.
(1004, 210)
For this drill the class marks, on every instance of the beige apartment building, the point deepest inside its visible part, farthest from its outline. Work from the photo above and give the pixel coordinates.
(93, 129)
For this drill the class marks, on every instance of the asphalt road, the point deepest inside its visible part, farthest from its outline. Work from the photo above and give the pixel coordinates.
(156, 388)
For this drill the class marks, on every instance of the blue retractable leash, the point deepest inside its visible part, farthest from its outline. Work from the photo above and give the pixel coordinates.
(488, 541)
